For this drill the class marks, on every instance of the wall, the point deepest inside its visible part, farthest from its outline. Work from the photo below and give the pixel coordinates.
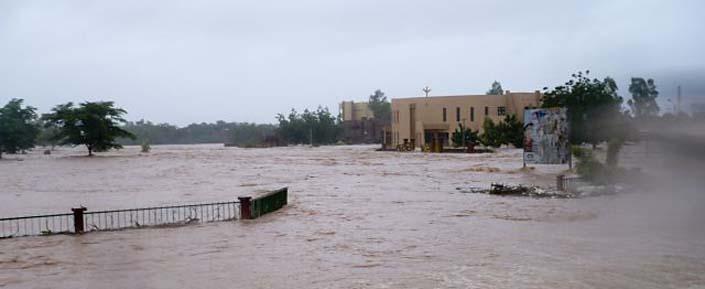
(429, 112)
(351, 110)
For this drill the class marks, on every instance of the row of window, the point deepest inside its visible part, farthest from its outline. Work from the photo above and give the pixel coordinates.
(501, 110)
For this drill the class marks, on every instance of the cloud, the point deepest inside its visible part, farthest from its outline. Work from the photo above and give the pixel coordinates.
(185, 61)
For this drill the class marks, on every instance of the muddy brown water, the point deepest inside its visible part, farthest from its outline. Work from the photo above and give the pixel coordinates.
(357, 219)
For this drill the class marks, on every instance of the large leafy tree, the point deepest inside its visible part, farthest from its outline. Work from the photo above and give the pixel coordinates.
(592, 105)
(380, 106)
(643, 102)
(93, 124)
(496, 89)
(18, 127)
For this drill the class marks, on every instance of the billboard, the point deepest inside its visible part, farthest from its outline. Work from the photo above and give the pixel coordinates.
(546, 136)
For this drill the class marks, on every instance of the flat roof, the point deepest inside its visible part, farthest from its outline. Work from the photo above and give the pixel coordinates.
(459, 96)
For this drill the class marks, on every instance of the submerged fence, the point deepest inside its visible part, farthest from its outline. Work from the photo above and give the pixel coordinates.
(569, 183)
(82, 220)
(36, 225)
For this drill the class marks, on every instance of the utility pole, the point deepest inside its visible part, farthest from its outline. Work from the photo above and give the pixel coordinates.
(426, 90)
(311, 136)
(678, 100)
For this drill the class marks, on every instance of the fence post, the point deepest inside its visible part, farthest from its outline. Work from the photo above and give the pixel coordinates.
(560, 185)
(78, 219)
(245, 207)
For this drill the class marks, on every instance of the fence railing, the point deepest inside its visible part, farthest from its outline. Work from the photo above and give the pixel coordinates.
(36, 225)
(83, 220)
(160, 216)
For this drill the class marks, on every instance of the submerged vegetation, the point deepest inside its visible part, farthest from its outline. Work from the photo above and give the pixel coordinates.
(96, 125)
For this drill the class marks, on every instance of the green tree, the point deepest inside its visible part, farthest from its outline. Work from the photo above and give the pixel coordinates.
(93, 124)
(471, 137)
(491, 135)
(496, 89)
(643, 102)
(18, 127)
(592, 105)
(379, 106)
(511, 131)
(319, 127)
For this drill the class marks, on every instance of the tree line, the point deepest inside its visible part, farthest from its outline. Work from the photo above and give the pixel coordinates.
(235, 133)
(595, 111)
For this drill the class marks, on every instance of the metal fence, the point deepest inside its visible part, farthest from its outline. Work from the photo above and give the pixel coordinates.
(36, 225)
(160, 216)
(82, 220)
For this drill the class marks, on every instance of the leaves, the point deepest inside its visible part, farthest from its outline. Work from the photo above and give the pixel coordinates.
(592, 106)
(18, 127)
(471, 137)
(379, 106)
(318, 126)
(93, 124)
(644, 94)
(508, 131)
(496, 89)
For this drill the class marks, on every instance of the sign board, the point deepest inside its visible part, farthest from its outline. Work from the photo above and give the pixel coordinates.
(546, 136)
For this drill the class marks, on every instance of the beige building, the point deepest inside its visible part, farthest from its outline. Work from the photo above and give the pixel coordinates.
(420, 120)
(351, 110)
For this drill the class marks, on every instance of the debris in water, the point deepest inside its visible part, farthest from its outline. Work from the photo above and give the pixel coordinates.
(539, 192)
(518, 190)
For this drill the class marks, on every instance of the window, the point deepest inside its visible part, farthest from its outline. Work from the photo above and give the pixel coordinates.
(457, 114)
(501, 110)
(472, 113)
(487, 111)
(444, 115)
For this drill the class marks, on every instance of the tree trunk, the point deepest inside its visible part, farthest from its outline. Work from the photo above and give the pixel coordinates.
(0, 154)
(90, 151)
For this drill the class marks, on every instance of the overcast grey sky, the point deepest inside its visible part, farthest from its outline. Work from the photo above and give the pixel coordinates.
(193, 61)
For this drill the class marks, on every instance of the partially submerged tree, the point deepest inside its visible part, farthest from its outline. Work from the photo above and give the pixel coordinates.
(595, 116)
(491, 135)
(511, 131)
(319, 127)
(18, 127)
(592, 106)
(508, 131)
(379, 106)
(93, 124)
(464, 136)
(643, 102)
(496, 89)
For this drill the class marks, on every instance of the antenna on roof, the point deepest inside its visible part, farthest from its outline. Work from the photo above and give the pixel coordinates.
(426, 90)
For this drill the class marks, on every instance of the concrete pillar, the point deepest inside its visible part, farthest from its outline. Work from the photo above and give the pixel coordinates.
(245, 208)
(78, 227)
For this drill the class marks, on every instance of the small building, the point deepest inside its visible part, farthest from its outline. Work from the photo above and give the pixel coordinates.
(355, 111)
(360, 125)
(423, 120)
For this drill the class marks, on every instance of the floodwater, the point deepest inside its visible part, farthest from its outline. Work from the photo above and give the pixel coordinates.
(357, 219)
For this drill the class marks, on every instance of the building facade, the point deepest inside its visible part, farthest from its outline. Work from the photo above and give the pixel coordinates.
(421, 120)
(350, 110)
(360, 125)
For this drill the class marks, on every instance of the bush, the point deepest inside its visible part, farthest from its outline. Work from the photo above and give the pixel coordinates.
(146, 147)
(460, 132)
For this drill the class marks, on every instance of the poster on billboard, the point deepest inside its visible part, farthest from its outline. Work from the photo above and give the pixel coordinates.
(546, 136)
